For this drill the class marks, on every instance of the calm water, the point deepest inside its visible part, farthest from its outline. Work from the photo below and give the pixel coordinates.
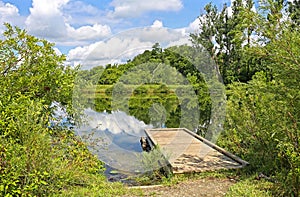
(115, 139)
(115, 136)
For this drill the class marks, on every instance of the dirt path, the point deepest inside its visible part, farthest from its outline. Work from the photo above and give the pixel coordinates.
(213, 187)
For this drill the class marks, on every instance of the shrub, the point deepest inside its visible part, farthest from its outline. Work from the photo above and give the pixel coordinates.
(35, 159)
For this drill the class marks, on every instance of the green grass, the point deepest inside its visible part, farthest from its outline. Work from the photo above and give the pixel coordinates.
(246, 186)
(250, 187)
(97, 187)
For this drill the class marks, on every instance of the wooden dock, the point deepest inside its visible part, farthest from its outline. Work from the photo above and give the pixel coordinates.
(188, 152)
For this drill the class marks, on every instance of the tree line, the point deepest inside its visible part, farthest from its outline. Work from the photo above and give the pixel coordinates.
(258, 54)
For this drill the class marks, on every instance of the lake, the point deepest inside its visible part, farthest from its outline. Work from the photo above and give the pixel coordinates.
(115, 138)
(116, 120)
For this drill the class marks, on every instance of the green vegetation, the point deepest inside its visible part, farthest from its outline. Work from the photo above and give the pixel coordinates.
(35, 159)
(258, 56)
(257, 53)
(156, 167)
(250, 187)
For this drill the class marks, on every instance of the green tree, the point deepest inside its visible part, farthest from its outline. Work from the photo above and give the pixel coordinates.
(263, 115)
(30, 66)
(35, 159)
(224, 35)
(208, 30)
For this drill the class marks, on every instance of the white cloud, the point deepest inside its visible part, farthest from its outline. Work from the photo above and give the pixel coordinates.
(48, 20)
(79, 7)
(8, 10)
(124, 46)
(80, 13)
(135, 8)
(114, 50)
(162, 35)
(182, 41)
(9, 14)
(193, 27)
(89, 32)
(116, 122)
(78, 24)
(157, 24)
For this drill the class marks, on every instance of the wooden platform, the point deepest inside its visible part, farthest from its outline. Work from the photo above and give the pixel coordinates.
(188, 152)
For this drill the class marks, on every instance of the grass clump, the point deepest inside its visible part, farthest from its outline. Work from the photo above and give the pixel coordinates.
(250, 188)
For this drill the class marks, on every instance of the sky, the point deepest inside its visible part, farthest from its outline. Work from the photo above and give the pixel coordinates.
(105, 31)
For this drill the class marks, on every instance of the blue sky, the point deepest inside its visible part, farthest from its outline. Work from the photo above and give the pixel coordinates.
(86, 29)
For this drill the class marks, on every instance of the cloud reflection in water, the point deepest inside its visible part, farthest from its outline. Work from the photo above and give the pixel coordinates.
(114, 138)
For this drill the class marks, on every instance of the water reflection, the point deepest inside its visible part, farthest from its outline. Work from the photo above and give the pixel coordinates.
(114, 138)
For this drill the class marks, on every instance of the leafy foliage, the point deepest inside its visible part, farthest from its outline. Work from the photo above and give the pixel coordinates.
(36, 159)
(263, 116)
(224, 35)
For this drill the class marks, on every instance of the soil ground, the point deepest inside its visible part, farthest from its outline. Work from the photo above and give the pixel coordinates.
(207, 187)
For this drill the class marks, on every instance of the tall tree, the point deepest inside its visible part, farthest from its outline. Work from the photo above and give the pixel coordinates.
(263, 116)
(207, 29)
(224, 34)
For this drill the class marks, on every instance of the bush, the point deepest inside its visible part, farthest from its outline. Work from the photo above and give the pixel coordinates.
(261, 129)
(35, 159)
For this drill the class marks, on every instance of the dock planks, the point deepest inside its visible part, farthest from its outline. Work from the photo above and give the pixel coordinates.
(188, 152)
